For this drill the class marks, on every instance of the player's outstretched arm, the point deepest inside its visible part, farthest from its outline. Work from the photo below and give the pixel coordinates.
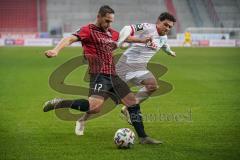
(63, 43)
(166, 48)
(132, 39)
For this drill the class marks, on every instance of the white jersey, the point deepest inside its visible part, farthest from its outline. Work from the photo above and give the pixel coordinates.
(142, 53)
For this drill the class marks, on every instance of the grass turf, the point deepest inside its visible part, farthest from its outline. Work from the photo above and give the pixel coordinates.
(205, 80)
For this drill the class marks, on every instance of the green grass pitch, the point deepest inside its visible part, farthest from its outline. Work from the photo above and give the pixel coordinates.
(206, 88)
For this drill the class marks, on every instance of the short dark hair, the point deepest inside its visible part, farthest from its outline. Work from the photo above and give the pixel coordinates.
(104, 10)
(165, 15)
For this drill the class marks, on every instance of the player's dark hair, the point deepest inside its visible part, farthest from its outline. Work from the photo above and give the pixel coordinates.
(165, 15)
(104, 10)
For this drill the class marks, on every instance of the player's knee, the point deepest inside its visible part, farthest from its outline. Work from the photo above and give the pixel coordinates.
(129, 100)
(95, 104)
(94, 109)
(152, 88)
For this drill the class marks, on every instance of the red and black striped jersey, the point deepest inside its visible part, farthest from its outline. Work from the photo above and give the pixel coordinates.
(98, 46)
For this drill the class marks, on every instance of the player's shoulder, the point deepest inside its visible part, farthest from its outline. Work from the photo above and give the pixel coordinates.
(114, 33)
(83, 32)
(85, 27)
(149, 26)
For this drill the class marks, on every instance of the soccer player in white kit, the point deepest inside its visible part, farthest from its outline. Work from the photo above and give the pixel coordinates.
(132, 65)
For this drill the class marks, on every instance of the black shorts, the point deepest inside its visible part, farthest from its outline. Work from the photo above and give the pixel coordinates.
(108, 86)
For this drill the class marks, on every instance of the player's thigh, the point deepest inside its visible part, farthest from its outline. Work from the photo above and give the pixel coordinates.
(98, 91)
(123, 92)
(100, 85)
(122, 69)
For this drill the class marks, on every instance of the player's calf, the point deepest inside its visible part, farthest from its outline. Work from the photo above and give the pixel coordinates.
(57, 103)
(136, 119)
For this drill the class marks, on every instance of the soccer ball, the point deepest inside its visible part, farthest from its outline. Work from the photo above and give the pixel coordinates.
(124, 138)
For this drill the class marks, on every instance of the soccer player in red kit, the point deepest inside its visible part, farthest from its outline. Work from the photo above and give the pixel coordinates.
(98, 42)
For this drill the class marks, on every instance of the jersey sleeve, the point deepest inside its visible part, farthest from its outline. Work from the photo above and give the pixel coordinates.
(139, 28)
(166, 48)
(82, 33)
(124, 33)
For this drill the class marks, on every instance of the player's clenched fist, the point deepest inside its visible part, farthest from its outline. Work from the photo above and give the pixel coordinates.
(50, 53)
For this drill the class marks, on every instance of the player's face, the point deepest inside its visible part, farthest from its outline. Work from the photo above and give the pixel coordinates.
(105, 21)
(163, 27)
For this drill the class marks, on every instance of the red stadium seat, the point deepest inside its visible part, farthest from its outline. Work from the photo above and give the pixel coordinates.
(21, 15)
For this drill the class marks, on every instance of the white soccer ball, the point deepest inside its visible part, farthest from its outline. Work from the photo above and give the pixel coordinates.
(124, 138)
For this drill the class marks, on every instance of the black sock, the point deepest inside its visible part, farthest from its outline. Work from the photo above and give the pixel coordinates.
(136, 119)
(78, 104)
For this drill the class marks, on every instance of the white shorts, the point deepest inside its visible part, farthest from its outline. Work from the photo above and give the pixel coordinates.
(134, 73)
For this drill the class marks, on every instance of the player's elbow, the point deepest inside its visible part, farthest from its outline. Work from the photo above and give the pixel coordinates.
(152, 87)
(69, 40)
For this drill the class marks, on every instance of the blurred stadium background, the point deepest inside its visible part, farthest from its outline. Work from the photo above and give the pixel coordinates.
(199, 119)
(207, 20)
